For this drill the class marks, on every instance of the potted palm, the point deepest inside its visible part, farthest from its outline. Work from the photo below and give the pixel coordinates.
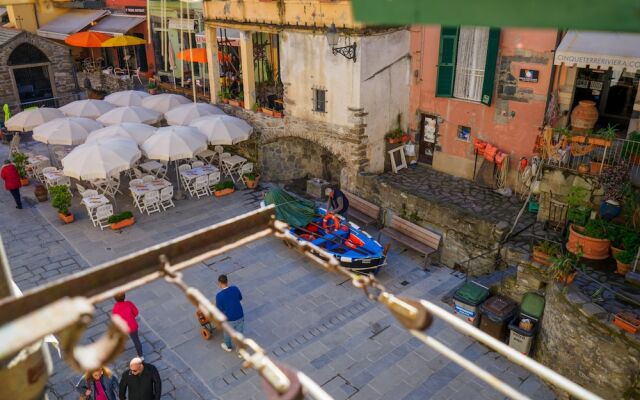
(564, 267)
(223, 188)
(20, 160)
(592, 240)
(61, 201)
(122, 220)
(544, 250)
(251, 179)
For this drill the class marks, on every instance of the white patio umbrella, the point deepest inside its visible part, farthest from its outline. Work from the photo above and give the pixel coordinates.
(223, 129)
(101, 158)
(136, 114)
(164, 102)
(87, 108)
(131, 130)
(172, 143)
(67, 131)
(182, 115)
(127, 98)
(28, 119)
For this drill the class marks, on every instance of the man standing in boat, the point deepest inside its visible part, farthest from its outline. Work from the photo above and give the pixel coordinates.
(338, 202)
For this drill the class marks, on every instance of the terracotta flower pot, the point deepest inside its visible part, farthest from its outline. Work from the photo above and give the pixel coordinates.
(225, 101)
(24, 181)
(393, 140)
(599, 142)
(541, 258)
(592, 249)
(584, 168)
(622, 269)
(41, 193)
(578, 139)
(236, 103)
(584, 116)
(568, 279)
(615, 250)
(223, 192)
(67, 219)
(251, 183)
(123, 224)
(627, 321)
(152, 91)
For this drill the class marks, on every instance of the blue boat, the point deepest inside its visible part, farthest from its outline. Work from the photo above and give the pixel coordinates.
(347, 242)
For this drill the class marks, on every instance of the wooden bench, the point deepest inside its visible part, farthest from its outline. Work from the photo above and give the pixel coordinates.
(362, 210)
(413, 236)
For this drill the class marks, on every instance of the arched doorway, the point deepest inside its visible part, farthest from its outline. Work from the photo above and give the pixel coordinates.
(30, 68)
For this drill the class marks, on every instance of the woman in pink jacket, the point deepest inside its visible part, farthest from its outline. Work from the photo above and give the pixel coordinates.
(128, 312)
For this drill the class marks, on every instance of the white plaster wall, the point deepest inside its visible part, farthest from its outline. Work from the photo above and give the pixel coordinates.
(307, 62)
(385, 65)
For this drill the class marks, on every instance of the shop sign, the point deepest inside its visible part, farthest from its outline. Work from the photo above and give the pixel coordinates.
(185, 24)
(135, 10)
(201, 38)
(529, 75)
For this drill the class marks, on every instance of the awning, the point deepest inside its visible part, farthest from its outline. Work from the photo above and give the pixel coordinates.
(117, 25)
(71, 22)
(3, 11)
(600, 50)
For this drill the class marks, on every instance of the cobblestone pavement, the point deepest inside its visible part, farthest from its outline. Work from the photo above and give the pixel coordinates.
(301, 314)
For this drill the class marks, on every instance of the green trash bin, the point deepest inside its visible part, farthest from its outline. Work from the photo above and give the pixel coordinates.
(531, 309)
(467, 299)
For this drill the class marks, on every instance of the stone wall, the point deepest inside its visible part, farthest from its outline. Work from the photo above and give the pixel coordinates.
(279, 154)
(61, 67)
(578, 341)
(556, 183)
(464, 235)
(104, 82)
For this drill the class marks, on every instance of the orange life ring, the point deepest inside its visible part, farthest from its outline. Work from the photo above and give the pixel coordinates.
(334, 227)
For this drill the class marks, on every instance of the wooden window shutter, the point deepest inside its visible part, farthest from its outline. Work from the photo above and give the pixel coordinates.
(490, 66)
(447, 61)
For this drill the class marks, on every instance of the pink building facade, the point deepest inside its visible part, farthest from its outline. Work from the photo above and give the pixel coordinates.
(478, 83)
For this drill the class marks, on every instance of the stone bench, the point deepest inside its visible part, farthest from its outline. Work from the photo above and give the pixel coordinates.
(413, 236)
(362, 210)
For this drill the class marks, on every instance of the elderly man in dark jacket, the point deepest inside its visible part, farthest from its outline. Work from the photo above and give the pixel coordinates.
(141, 381)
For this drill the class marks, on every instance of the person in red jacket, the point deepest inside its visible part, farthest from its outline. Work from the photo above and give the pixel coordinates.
(128, 312)
(9, 173)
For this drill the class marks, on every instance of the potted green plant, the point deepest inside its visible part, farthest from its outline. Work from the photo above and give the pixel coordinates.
(394, 136)
(592, 240)
(613, 181)
(20, 160)
(564, 267)
(251, 179)
(603, 137)
(256, 107)
(624, 260)
(121, 220)
(152, 86)
(223, 188)
(239, 102)
(544, 250)
(61, 201)
(579, 207)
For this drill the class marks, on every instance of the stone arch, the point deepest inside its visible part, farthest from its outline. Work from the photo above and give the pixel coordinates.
(284, 158)
(26, 53)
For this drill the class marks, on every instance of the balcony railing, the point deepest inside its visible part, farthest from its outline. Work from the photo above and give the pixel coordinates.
(593, 155)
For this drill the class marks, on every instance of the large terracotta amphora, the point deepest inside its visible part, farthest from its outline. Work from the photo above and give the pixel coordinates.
(584, 116)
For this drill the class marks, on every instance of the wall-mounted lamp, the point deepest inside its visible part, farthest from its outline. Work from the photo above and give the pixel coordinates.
(349, 52)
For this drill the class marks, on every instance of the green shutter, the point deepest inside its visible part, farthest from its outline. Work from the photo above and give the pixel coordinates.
(447, 61)
(490, 66)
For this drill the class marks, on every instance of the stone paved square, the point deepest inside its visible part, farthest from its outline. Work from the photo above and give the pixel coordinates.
(302, 315)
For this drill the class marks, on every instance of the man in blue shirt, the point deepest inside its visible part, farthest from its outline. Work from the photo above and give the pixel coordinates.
(228, 301)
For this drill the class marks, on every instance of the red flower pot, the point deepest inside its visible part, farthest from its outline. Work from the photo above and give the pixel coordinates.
(223, 192)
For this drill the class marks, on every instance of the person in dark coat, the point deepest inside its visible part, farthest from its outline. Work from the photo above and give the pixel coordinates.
(9, 173)
(338, 202)
(100, 384)
(141, 381)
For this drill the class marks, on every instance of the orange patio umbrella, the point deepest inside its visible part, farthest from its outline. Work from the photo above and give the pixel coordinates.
(87, 39)
(197, 55)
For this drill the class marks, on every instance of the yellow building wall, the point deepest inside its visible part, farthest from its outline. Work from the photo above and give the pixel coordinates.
(29, 16)
(283, 12)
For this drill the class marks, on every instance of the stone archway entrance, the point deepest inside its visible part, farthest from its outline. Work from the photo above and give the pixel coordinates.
(291, 158)
(31, 73)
